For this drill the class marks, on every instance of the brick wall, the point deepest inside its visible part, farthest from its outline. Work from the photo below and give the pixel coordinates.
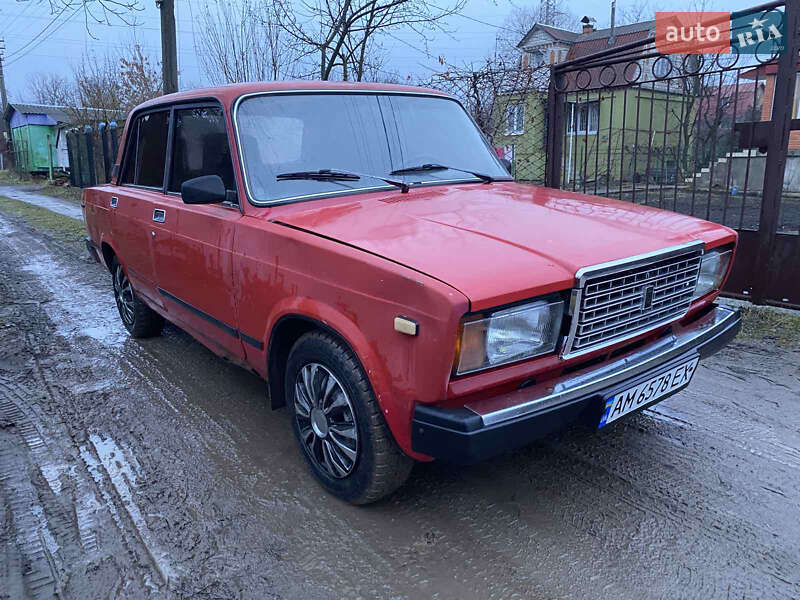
(766, 111)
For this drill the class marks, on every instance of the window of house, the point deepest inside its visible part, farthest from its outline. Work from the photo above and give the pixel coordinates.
(200, 147)
(515, 119)
(585, 117)
(661, 66)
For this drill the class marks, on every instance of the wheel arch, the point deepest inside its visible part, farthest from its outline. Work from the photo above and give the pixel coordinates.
(108, 254)
(286, 331)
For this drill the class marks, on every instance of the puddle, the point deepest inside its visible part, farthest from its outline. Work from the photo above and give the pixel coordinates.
(77, 310)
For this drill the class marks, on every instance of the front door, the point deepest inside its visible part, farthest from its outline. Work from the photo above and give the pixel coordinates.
(193, 249)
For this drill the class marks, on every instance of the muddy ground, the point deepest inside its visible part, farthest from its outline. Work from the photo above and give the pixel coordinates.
(134, 469)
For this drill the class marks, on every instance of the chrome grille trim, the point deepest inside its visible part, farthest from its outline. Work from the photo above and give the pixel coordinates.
(607, 304)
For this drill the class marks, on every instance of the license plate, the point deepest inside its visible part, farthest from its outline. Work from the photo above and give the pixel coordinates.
(648, 392)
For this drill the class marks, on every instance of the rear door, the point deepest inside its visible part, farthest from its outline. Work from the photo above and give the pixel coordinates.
(132, 203)
(193, 264)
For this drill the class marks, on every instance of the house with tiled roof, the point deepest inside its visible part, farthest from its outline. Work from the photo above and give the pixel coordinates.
(600, 119)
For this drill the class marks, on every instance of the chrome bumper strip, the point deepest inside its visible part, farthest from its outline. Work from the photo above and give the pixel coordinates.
(578, 385)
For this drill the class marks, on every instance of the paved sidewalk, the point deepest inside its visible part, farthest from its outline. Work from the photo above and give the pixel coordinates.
(57, 205)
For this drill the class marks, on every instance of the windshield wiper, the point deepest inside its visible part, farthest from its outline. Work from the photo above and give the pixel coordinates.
(438, 167)
(333, 175)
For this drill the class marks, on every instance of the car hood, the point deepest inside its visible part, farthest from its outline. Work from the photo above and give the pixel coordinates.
(501, 242)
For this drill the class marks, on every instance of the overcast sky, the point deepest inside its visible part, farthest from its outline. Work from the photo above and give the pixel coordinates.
(31, 48)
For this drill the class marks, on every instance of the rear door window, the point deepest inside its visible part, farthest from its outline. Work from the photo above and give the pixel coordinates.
(200, 147)
(146, 150)
(151, 152)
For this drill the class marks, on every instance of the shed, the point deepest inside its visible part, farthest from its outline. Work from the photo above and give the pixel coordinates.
(34, 129)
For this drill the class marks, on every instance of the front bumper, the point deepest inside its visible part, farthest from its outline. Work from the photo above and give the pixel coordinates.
(490, 426)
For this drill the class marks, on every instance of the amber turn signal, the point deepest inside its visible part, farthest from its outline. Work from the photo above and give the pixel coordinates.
(404, 325)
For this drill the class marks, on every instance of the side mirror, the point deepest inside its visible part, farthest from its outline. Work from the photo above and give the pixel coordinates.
(207, 189)
(507, 164)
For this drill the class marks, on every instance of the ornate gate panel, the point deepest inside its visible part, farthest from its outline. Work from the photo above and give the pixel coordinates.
(703, 135)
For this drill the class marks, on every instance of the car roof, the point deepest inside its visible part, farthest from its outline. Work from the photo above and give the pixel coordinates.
(227, 94)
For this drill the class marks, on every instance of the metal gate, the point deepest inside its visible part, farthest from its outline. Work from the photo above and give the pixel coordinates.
(703, 135)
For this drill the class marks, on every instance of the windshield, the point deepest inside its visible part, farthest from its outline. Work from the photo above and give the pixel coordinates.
(371, 134)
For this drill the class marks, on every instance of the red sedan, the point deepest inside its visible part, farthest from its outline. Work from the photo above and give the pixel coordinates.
(363, 249)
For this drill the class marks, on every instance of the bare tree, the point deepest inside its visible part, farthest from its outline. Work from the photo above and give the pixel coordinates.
(101, 88)
(242, 41)
(94, 11)
(634, 11)
(339, 32)
(50, 89)
(139, 80)
(97, 85)
(484, 88)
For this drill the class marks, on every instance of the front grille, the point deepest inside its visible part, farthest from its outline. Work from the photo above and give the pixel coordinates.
(615, 301)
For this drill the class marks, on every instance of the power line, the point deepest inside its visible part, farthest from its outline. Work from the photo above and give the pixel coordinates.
(123, 26)
(476, 20)
(38, 35)
(15, 19)
(18, 56)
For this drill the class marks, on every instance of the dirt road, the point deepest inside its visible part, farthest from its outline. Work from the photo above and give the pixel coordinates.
(134, 469)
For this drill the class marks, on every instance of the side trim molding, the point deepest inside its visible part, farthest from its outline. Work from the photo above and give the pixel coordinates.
(203, 315)
(214, 321)
(252, 341)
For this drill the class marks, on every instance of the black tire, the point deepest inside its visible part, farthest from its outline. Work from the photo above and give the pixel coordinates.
(139, 319)
(379, 466)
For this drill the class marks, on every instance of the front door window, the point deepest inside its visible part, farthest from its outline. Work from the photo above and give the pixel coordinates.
(200, 147)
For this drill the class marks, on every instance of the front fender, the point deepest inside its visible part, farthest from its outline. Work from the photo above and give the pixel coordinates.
(328, 318)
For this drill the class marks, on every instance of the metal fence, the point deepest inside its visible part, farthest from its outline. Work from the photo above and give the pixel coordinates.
(702, 135)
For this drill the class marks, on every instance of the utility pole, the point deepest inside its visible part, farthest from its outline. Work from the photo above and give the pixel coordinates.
(169, 46)
(5, 133)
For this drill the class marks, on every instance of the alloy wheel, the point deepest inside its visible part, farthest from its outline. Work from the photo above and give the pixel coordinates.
(123, 294)
(326, 420)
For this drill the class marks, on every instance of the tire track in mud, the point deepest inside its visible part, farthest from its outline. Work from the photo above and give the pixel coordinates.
(25, 526)
(92, 367)
(97, 474)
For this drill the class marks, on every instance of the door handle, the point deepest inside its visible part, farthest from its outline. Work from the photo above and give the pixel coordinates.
(114, 201)
(159, 215)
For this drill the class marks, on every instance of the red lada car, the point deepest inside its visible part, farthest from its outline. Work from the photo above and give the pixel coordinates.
(363, 249)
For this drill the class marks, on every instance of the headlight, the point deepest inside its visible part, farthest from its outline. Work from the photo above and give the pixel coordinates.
(712, 271)
(509, 335)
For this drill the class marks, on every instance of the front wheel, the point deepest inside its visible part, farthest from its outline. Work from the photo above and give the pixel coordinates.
(338, 422)
(140, 320)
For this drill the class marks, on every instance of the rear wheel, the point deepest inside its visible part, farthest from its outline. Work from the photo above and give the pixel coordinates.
(139, 319)
(338, 422)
